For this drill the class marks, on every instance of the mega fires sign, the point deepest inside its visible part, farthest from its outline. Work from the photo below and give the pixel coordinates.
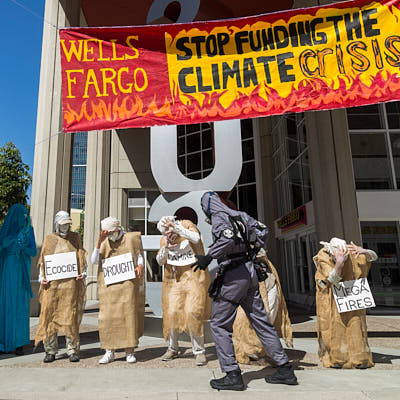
(338, 55)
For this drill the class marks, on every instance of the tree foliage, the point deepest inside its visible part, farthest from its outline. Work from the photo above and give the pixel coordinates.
(14, 178)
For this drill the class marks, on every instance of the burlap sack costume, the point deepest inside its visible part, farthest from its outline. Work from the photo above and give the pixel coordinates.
(121, 316)
(185, 302)
(62, 301)
(244, 337)
(342, 337)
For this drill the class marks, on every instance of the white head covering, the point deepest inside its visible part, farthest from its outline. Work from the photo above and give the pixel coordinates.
(110, 224)
(334, 245)
(162, 221)
(62, 217)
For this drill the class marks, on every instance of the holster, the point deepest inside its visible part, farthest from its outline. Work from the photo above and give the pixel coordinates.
(216, 285)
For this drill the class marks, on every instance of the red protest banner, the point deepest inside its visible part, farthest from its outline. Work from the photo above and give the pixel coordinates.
(339, 55)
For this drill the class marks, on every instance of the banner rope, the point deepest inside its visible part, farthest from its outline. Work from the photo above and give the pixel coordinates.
(35, 14)
(48, 138)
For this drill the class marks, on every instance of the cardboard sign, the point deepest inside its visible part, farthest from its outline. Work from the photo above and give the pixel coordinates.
(353, 295)
(118, 269)
(60, 266)
(182, 255)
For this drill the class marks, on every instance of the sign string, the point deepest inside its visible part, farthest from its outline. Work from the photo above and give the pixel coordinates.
(35, 14)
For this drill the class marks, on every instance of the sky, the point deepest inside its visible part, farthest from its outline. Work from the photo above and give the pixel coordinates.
(20, 55)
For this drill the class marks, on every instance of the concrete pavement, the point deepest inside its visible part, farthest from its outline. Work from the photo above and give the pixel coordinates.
(27, 377)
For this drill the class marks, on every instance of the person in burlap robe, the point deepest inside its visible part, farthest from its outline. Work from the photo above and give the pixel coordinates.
(62, 301)
(342, 337)
(185, 302)
(121, 315)
(246, 342)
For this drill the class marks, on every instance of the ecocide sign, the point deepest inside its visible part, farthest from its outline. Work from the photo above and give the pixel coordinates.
(353, 295)
(118, 269)
(61, 266)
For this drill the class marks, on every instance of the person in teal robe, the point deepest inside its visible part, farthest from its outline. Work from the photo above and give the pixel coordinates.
(17, 246)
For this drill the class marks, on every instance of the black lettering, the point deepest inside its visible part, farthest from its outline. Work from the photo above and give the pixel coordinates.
(390, 45)
(339, 304)
(211, 46)
(321, 59)
(368, 302)
(359, 303)
(283, 68)
(352, 304)
(339, 58)
(318, 38)
(254, 46)
(363, 62)
(281, 42)
(266, 60)
(353, 25)
(368, 22)
(202, 88)
(180, 45)
(249, 73)
(363, 287)
(183, 73)
(355, 290)
(228, 72)
(305, 33)
(377, 53)
(303, 60)
(335, 19)
(222, 39)
(198, 40)
(294, 35)
(215, 75)
(268, 39)
(240, 38)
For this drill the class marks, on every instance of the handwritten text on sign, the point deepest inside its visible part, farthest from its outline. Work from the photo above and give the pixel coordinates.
(353, 295)
(118, 269)
(182, 255)
(61, 266)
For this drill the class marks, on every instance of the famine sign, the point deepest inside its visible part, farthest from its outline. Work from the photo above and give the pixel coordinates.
(353, 295)
(182, 255)
(60, 266)
(118, 269)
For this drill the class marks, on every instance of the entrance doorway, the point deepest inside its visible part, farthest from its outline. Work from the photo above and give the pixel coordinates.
(298, 252)
(384, 276)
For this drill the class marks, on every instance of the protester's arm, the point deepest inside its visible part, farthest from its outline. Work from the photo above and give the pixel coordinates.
(357, 250)
(139, 268)
(162, 256)
(191, 235)
(96, 252)
(95, 256)
(333, 275)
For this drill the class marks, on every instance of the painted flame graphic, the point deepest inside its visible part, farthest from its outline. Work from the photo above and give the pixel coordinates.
(312, 94)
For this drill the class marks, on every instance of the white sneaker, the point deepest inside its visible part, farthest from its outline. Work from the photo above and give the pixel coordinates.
(107, 358)
(130, 358)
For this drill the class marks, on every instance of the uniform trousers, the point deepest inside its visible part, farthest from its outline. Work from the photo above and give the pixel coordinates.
(240, 288)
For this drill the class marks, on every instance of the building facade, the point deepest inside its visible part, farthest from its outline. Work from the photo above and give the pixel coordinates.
(309, 176)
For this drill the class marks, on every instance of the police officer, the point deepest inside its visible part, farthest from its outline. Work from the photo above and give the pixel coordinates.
(237, 284)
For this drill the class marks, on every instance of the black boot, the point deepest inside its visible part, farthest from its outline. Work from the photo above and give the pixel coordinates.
(74, 357)
(231, 381)
(48, 358)
(284, 375)
(19, 351)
